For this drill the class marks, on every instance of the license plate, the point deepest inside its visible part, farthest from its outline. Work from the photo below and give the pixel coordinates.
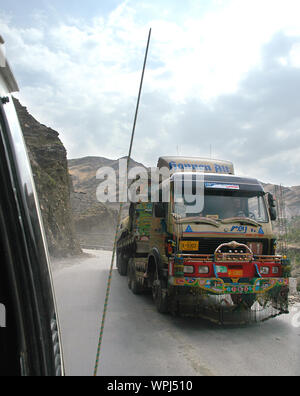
(189, 245)
(235, 273)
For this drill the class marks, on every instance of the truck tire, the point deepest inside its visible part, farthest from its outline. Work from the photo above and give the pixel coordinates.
(133, 283)
(122, 264)
(160, 297)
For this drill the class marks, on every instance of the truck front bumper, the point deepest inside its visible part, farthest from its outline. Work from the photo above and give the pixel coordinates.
(218, 286)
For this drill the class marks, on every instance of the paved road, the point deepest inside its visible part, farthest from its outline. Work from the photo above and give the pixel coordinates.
(139, 341)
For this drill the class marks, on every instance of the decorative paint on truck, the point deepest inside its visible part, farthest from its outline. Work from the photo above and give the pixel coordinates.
(178, 164)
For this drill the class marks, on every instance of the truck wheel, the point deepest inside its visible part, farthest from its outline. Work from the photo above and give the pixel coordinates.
(122, 264)
(133, 283)
(160, 297)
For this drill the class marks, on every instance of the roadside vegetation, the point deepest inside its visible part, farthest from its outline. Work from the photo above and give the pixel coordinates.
(293, 235)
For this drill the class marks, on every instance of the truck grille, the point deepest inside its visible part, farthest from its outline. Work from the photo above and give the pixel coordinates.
(209, 245)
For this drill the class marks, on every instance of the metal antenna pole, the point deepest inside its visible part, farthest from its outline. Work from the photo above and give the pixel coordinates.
(139, 96)
(120, 216)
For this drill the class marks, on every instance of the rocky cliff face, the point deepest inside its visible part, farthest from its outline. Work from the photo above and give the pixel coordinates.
(95, 222)
(50, 171)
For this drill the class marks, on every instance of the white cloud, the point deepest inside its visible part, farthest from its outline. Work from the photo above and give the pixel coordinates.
(206, 83)
(295, 55)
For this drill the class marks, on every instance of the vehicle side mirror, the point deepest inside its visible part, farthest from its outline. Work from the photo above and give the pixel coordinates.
(273, 213)
(160, 209)
(272, 207)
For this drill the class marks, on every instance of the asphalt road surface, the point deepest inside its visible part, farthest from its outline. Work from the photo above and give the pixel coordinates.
(138, 341)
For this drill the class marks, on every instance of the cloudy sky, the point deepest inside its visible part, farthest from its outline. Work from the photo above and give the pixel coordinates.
(223, 78)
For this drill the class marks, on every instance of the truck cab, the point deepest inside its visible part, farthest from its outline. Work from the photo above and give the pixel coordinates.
(234, 208)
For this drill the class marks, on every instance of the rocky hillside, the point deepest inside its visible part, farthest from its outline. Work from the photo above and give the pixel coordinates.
(95, 222)
(84, 170)
(50, 171)
(291, 197)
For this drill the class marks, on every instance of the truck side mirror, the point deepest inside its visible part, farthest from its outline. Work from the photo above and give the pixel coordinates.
(272, 207)
(160, 209)
(273, 213)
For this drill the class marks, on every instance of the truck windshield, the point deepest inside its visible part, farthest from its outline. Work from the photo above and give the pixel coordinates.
(225, 204)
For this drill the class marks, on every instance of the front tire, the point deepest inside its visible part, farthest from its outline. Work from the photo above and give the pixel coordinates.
(122, 264)
(160, 297)
(133, 283)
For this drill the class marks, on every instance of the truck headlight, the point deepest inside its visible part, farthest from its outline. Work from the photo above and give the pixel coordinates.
(203, 269)
(188, 269)
(264, 270)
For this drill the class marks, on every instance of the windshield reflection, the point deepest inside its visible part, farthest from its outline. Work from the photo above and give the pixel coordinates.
(221, 205)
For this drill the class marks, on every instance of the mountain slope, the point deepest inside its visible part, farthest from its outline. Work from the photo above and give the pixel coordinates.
(95, 222)
(291, 197)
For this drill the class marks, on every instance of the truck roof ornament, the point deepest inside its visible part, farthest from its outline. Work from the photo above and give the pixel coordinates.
(205, 165)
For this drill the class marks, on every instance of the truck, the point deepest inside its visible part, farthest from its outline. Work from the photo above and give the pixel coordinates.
(216, 261)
